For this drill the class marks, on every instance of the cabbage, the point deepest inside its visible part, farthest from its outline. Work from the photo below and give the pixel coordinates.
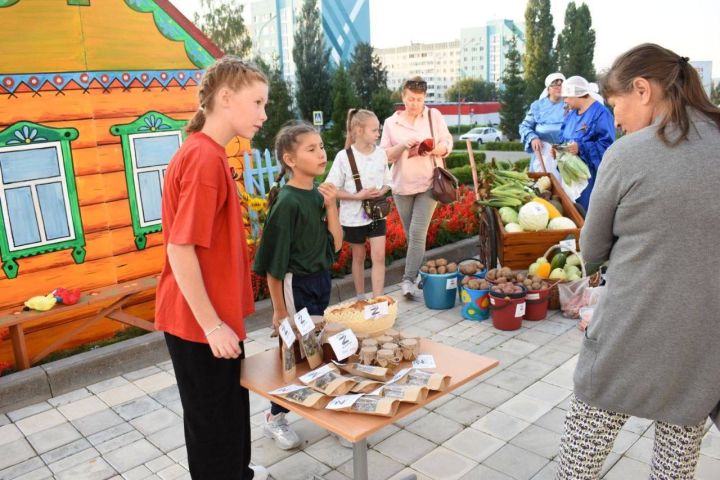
(558, 274)
(533, 216)
(573, 260)
(561, 223)
(508, 215)
(513, 228)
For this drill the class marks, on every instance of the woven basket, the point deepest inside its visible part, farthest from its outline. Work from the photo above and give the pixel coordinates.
(352, 315)
(554, 301)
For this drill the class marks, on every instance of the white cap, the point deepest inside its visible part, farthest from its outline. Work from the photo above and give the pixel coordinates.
(548, 80)
(595, 92)
(575, 87)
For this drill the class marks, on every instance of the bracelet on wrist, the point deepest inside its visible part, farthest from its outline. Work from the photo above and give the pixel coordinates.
(213, 330)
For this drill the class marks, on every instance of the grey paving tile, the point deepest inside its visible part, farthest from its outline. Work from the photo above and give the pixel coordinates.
(552, 327)
(264, 452)
(119, 441)
(416, 415)
(130, 456)
(93, 469)
(462, 410)
(711, 446)
(535, 336)
(500, 425)
(547, 473)
(488, 395)
(137, 407)
(159, 463)
(69, 397)
(442, 400)
(298, 466)
(510, 380)
(155, 382)
(29, 411)
(39, 421)
(330, 452)
(506, 461)
(481, 472)
(517, 347)
(155, 421)
(382, 434)
(82, 408)
(108, 384)
(531, 368)
(444, 463)
(121, 394)
(550, 355)
(525, 408)
(174, 472)
(404, 447)
(541, 441)
(505, 358)
(73, 460)
(97, 422)
(708, 468)
(627, 468)
(53, 437)
(65, 451)
(624, 440)
(4, 420)
(142, 373)
(435, 428)
(9, 433)
(641, 450)
(168, 395)
(379, 466)
(168, 438)
(474, 444)
(637, 425)
(308, 432)
(22, 468)
(546, 392)
(560, 377)
(138, 473)
(553, 420)
(109, 433)
(403, 474)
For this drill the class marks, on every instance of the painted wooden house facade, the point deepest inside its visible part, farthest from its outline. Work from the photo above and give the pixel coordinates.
(93, 98)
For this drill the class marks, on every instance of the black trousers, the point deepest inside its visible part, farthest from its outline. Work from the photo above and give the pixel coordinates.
(216, 411)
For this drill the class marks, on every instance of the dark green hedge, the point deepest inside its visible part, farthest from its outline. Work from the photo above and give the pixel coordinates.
(460, 159)
(505, 146)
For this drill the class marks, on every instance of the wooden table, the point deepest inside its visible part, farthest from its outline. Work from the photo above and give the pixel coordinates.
(262, 373)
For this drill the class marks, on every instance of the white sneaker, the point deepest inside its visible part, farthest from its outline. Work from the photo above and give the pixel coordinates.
(345, 443)
(408, 289)
(261, 473)
(277, 428)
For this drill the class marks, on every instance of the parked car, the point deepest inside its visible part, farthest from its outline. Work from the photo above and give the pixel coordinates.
(482, 135)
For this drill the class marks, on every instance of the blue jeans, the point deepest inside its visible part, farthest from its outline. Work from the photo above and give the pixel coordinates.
(416, 212)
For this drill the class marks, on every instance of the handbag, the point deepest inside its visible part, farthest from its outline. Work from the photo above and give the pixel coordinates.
(375, 208)
(444, 184)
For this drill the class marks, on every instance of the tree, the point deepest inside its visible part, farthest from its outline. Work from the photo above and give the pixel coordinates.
(278, 109)
(576, 43)
(539, 56)
(222, 22)
(472, 90)
(382, 104)
(367, 74)
(343, 99)
(312, 76)
(512, 102)
(715, 93)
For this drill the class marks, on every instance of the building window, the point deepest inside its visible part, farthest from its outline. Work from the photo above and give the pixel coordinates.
(148, 144)
(39, 208)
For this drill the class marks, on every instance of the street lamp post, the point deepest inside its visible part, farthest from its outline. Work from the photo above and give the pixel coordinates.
(258, 34)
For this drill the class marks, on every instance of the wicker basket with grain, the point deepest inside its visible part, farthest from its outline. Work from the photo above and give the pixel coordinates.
(352, 315)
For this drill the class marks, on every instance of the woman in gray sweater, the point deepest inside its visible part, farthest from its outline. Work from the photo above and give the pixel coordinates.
(653, 348)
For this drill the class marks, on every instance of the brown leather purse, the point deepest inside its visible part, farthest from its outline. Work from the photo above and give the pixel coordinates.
(444, 184)
(375, 208)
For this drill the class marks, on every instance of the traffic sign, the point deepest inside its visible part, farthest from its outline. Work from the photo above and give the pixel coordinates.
(318, 118)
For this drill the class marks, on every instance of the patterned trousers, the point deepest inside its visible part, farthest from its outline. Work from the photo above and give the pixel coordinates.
(590, 433)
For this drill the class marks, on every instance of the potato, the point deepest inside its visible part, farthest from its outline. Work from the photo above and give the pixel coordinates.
(441, 262)
(479, 265)
(484, 285)
(501, 280)
(431, 263)
(452, 267)
(442, 270)
(491, 274)
(433, 271)
(424, 269)
(535, 286)
(520, 278)
(467, 269)
(465, 280)
(505, 271)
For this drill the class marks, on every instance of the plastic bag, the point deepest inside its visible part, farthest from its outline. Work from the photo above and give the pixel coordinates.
(572, 297)
(573, 182)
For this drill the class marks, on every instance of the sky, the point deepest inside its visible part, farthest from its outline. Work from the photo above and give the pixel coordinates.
(691, 28)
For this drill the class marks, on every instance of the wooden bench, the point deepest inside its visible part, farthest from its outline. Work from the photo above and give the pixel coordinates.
(119, 295)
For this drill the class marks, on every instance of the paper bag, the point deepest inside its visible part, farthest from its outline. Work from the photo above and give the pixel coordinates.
(433, 381)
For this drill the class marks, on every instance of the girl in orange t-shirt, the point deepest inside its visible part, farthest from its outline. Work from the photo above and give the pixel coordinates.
(204, 290)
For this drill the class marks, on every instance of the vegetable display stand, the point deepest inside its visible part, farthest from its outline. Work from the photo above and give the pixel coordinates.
(476, 303)
(507, 309)
(518, 250)
(439, 290)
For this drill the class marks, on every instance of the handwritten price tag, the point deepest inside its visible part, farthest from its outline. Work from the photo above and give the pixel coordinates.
(287, 389)
(424, 361)
(451, 283)
(343, 401)
(319, 372)
(376, 310)
(520, 309)
(303, 322)
(567, 245)
(286, 333)
(344, 344)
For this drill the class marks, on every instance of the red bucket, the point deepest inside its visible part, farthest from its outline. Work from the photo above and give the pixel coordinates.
(507, 310)
(537, 304)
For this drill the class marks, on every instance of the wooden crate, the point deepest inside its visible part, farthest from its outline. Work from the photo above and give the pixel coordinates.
(519, 250)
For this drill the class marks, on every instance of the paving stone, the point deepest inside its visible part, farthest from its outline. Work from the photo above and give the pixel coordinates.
(549, 355)
(553, 420)
(308, 432)
(517, 347)
(93, 469)
(169, 438)
(97, 422)
(29, 411)
(444, 463)
(506, 461)
(535, 336)
(548, 472)
(167, 395)
(298, 466)
(173, 472)
(330, 452)
(637, 425)
(711, 446)
(65, 451)
(403, 474)
(490, 343)
(541, 441)
(155, 382)
(155, 420)
(641, 450)
(138, 473)
(565, 404)
(73, 460)
(119, 441)
(474, 444)
(382, 434)
(552, 327)
(505, 358)
(531, 368)
(53, 437)
(42, 473)
(82, 408)
(108, 384)
(481, 472)
(4, 420)
(560, 377)
(707, 468)
(20, 469)
(546, 392)
(462, 410)
(512, 381)
(9, 433)
(405, 447)
(379, 467)
(500, 425)
(440, 401)
(488, 395)
(142, 373)
(624, 440)
(110, 433)
(69, 397)
(627, 468)
(159, 463)
(179, 454)
(525, 408)
(435, 428)
(137, 407)
(264, 452)
(414, 416)
(40, 421)
(120, 394)
(132, 455)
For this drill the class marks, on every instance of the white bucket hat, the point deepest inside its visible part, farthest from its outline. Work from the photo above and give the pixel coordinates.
(550, 79)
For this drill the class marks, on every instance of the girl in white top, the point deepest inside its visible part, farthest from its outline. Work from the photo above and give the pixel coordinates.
(363, 131)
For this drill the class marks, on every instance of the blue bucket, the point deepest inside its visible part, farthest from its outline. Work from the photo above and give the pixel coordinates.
(479, 275)
(439, 290)
(476, 304)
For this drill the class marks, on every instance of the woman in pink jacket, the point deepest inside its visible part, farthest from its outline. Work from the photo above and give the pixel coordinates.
(412, 171)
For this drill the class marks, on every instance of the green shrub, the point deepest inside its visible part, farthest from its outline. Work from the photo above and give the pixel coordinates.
(521, 165)
(462, 145)
(460, 159)
(463, 174)
(505, 146)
